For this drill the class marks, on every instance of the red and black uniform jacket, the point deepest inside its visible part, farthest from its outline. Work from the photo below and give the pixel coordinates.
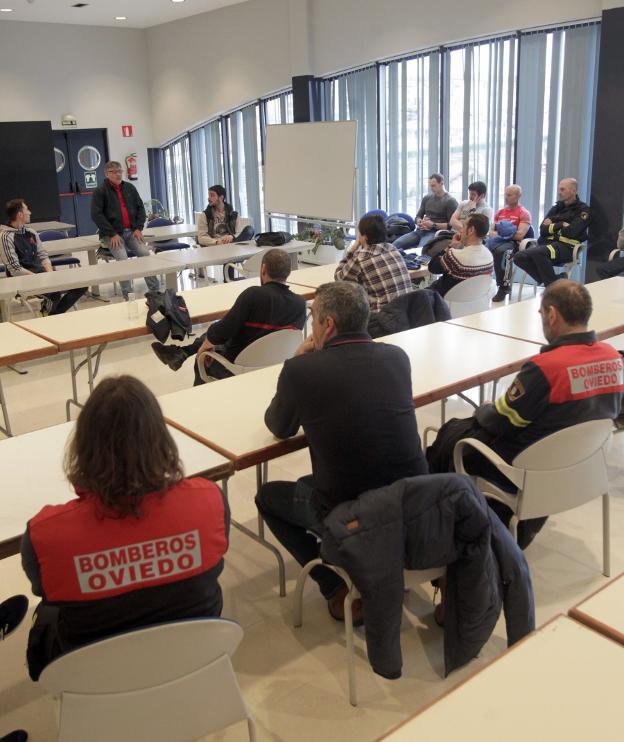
(108, 574)
(258, 311)
(572, 380)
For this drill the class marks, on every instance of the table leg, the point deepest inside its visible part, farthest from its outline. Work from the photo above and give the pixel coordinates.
(171, 280)
(5, 413)
(5, 310)
(91, 372)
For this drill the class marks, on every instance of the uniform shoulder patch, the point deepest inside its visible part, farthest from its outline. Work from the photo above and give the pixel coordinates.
(516, 390)
(584, 215)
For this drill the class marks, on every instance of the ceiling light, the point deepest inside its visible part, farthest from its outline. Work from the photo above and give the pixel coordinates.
(6, 10)
(177, 1)
(121, 18)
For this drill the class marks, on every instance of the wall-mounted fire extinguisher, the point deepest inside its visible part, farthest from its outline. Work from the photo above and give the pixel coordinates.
(132, 166)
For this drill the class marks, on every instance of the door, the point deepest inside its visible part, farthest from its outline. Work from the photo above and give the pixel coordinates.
(80, 158)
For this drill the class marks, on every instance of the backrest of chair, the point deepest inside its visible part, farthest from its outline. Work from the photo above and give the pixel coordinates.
(48, 235)
(270, 349)
(159, 221)
(142, 659)
(469, 296)
(565, 469)
(251, 267)
(244, 221)
(376, 212)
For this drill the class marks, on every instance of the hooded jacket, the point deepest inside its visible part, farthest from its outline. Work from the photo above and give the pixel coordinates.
(21, 250)
(424, 522)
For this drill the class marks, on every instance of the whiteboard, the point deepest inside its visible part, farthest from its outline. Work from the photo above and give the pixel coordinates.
(310, 169)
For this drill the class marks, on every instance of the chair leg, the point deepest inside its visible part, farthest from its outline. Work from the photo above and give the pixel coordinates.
(349, 645)
(521, 286)
(513, 527)
(298, 594)
(606, 537)
(251, 727)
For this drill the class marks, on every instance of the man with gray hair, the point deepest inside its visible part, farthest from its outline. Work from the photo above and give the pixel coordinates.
(353, 398)
(119, 214)
(564, 227)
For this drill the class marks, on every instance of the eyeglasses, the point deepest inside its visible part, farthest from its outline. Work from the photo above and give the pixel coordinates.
(115, 171)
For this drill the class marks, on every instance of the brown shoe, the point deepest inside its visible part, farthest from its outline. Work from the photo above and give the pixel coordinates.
(335, 606)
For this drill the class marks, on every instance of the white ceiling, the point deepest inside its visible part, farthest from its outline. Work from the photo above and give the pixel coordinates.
(140, 13)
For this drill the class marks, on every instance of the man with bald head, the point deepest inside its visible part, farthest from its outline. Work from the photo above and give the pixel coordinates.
(511, 224)
(564, 227)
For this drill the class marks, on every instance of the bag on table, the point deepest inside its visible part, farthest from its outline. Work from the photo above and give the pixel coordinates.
(272, 239)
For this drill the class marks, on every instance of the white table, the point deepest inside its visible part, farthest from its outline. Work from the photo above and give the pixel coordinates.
(18, 345)
(522, 320)
(32, 475)
(603, 611)
(45, 226)
(560, 683)
(71, 245)
(171, 232)
(42, 283)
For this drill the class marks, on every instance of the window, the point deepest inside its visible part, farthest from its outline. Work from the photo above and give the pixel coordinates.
(478, 115)
(178, 180)
(279, 110)
(206, 162)
(245, 162)
(409, 143)
(556, 110)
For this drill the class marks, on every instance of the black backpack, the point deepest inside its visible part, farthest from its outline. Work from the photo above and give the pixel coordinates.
(272, 239)
(396, 226)
(167, 313)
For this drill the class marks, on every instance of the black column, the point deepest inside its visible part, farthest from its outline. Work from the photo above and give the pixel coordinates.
(306, 99)
(608, 158)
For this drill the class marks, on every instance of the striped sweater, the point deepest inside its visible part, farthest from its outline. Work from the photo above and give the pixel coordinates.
(457, 264)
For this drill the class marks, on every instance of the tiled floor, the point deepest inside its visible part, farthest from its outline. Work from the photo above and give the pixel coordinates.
(295, 680)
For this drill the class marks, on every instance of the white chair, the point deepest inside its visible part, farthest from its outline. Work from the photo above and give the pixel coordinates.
(249, 268)
(268, 350)
(558, 473)
(469, 296)
(412, 578)
(569, 268)
(167, 683)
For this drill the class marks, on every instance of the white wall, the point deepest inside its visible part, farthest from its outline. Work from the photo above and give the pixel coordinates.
(97, 74)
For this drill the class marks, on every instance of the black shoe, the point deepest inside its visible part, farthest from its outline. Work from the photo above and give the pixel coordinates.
(12, 612)
(19, 735)
(170, 355)
(502, 292)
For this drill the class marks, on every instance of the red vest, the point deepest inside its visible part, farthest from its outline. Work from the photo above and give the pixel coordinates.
(84, 556)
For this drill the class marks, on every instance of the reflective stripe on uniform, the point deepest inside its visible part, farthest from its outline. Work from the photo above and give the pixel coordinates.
(568, 240)
(514, 418)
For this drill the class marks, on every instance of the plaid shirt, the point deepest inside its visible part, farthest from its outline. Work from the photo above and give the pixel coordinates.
(380, 269)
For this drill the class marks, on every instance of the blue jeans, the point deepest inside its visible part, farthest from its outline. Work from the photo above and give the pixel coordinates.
(131, 248)
(417, 238)
(289, 511)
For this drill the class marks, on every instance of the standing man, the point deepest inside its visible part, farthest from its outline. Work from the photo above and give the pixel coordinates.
(375, 264)
(474, 204)
(219, 224)
(22, 253)
(119, 214)
(503, 240)
(435, 213)
(564, 227)
(353, 397)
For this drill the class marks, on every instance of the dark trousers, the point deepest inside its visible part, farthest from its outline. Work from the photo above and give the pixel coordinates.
(214, 369)
(502, 255)
(64, 301)
(611, 268)
(538, 263)
(289, 511)
(229, 273)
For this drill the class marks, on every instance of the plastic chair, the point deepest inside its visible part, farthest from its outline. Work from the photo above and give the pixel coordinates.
(577, 253)
(268, 350)
(411, 578)
(50, 235)
(168, 683)
(469, 296)
(557, 473)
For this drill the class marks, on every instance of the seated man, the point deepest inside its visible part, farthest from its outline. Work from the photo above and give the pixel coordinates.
(376, 264)
(353, 397)
(564, 385)
(118, 212)
(219, 224)
(564, 226)
(613, 267)
(474, 204)
(22, 253)
(257, 311)
(503, 242)
(434, 213)
(466, 257)
(12, 613)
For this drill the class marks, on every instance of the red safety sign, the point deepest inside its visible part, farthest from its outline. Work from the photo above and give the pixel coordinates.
(127, 130)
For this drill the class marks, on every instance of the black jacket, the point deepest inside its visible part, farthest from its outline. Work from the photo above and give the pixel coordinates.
(415, 309)
(106, 209)
(258, 311)
(354, 401)
(230, 220)
(421, 523)
(577, 215)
